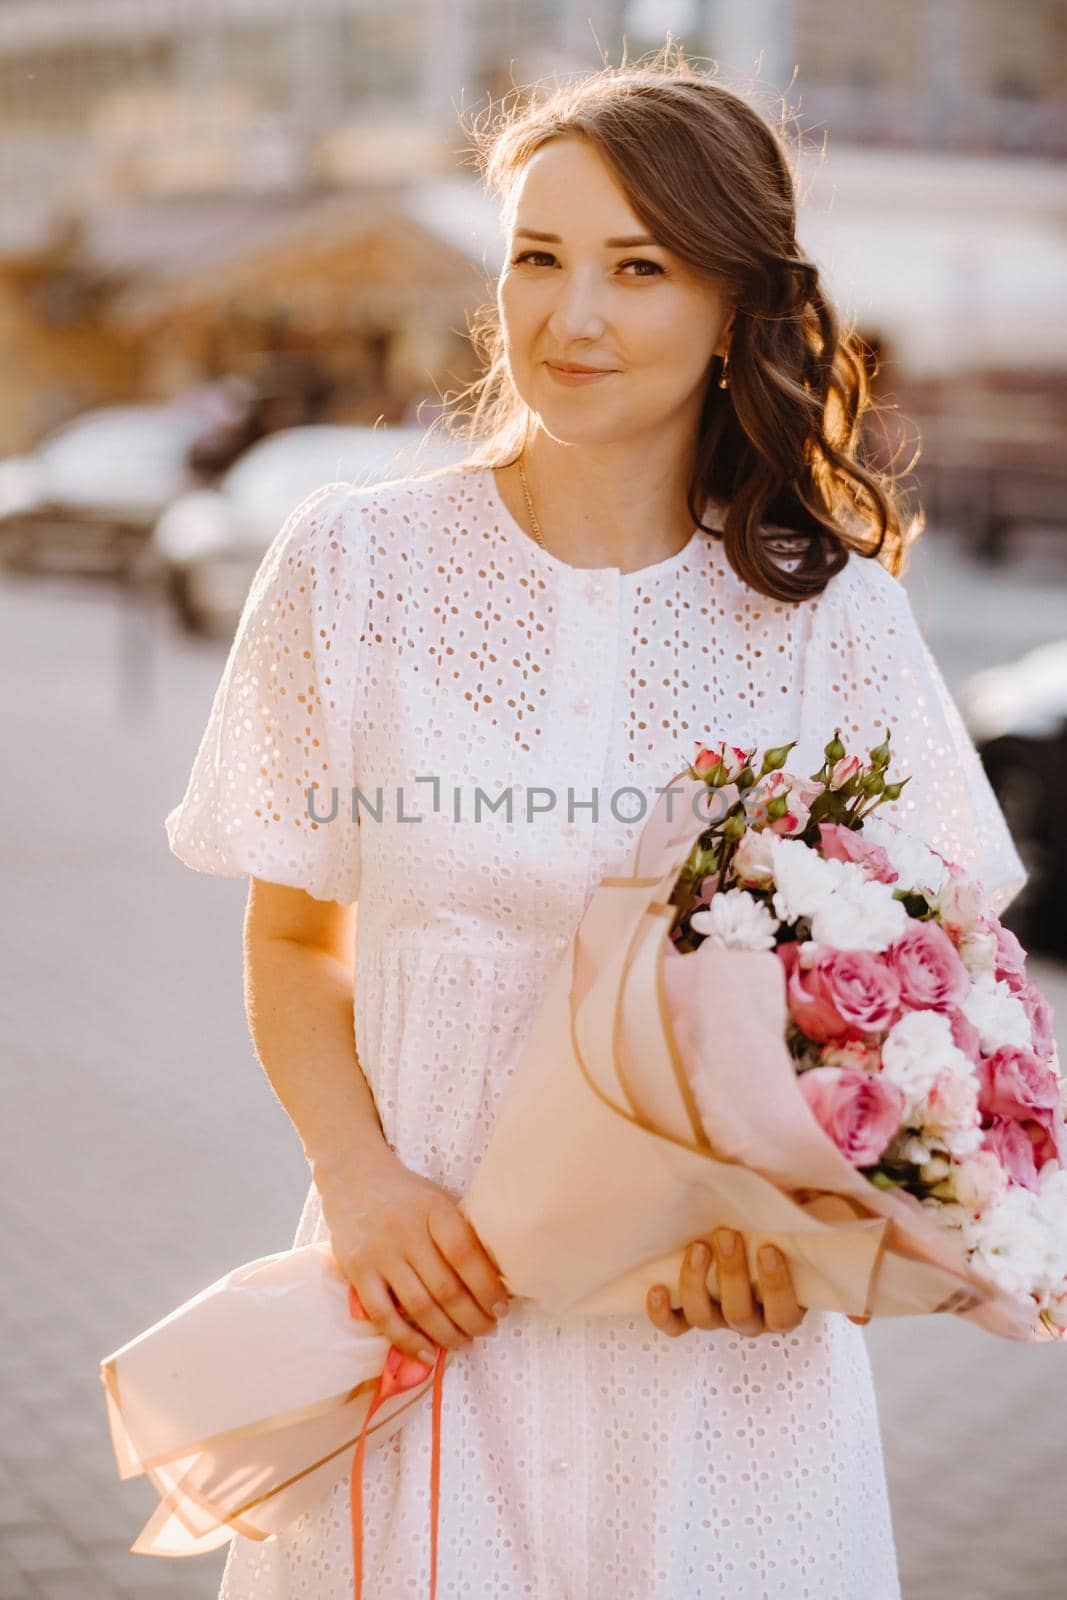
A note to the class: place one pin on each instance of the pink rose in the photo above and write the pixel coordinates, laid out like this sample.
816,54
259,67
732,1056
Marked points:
1015,1150
843,770
843,994
859,1111
1040,1014
965,1035
752,862
1014,1083
1048,1135
844,844
733,759
961,904
798,794
1011,957
931,975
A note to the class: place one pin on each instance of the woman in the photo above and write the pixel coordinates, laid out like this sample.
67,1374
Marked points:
604,582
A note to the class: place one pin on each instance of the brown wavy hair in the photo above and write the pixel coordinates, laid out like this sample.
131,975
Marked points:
781,448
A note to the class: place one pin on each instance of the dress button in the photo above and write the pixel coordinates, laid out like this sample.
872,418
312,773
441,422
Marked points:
593,589
561,1464
582,705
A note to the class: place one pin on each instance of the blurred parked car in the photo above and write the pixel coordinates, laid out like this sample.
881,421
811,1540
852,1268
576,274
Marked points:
211,541
86,500
1017,716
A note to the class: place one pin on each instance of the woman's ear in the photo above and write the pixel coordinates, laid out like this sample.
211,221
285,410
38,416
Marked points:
722,347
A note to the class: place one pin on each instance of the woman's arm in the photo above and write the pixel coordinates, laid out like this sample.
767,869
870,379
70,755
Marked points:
420,1270
299,965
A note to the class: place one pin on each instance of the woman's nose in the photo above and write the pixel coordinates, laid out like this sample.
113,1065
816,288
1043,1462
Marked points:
577,310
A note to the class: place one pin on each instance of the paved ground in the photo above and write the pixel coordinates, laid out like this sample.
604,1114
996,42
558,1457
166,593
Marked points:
147,1156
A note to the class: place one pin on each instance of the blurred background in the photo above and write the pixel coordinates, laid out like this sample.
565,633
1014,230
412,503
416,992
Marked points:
239,245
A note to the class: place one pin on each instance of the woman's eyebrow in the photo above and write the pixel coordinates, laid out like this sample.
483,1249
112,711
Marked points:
554,238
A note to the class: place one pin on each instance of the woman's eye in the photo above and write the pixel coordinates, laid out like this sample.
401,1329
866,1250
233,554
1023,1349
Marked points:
641,261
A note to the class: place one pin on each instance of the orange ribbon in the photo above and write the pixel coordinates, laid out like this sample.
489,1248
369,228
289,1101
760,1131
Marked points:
399,1373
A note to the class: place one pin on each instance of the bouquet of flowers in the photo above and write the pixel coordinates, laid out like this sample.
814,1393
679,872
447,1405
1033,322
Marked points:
794,1019
921,1046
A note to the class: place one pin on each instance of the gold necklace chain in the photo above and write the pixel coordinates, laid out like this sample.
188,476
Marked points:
529,503
535,525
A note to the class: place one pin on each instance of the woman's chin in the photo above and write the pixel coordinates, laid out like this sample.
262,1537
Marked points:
567,425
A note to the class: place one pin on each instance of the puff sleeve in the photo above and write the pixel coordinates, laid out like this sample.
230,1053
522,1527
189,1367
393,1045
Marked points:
281,723
870,671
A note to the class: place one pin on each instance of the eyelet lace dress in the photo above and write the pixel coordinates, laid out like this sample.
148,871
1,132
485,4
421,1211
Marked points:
411,637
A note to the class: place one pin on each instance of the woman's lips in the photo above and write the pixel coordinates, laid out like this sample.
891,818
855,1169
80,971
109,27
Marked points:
577,379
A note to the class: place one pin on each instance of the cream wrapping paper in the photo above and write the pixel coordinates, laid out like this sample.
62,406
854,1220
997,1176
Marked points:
245,1404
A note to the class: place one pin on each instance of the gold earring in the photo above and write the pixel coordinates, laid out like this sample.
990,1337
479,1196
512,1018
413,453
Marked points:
724,381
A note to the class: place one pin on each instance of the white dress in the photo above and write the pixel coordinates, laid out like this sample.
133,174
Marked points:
414,630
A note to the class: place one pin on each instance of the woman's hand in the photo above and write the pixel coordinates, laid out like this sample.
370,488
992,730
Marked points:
420,1270
736,1308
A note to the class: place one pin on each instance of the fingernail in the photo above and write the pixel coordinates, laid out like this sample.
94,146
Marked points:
657,1297
500,1309
727,1242
698,1255
769,1258
426,1357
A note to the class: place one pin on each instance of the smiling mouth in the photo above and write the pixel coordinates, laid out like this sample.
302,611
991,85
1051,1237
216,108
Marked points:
580,372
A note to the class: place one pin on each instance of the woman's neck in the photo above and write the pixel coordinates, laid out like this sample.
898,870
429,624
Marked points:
595,510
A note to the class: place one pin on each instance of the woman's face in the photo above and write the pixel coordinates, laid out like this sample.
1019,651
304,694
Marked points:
634,309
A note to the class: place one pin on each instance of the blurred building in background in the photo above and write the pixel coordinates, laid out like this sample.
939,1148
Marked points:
188,184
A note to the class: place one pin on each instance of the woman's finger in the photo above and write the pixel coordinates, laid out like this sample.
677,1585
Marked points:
377,1302
480,1284
735,1289
860,1320
780,1309
445,1289
700,1310
662,1314
421,1307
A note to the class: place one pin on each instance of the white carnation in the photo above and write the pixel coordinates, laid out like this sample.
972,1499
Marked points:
998,1015
916,866
915,1050
805,880
1021,1242
735,921
861,915
1008,1242
1051,1205
1057,1308
848,911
